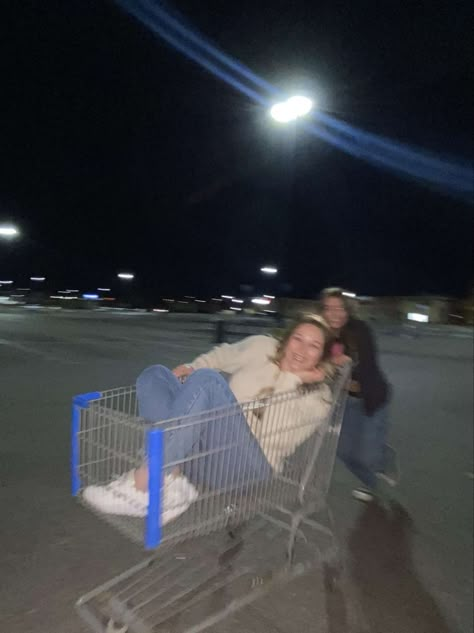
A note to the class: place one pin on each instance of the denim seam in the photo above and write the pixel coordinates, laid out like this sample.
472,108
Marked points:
217,381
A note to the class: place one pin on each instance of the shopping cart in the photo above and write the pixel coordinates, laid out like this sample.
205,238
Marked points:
237,538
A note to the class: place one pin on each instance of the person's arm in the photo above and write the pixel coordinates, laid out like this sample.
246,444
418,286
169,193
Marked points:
231,357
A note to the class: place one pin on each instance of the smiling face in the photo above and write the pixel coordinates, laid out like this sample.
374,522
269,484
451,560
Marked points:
335,313
304,348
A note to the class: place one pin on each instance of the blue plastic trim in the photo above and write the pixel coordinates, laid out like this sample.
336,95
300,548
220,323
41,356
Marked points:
155,468
78,402
83,399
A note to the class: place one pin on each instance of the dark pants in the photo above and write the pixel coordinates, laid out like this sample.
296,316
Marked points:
363,440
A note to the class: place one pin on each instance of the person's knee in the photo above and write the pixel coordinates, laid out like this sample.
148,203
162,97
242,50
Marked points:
206,375
150,374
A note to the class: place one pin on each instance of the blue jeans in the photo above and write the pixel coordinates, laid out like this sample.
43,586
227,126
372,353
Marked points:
362,441
220,451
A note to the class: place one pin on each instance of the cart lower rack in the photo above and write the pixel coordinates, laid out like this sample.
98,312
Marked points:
234,537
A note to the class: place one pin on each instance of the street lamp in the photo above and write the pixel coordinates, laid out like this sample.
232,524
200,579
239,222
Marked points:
8,231
292,109
126,276
269,270
37,278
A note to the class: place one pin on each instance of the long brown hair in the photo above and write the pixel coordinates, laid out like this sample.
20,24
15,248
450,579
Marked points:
345,335
338,293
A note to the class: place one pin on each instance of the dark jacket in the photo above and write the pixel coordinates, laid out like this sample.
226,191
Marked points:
359,344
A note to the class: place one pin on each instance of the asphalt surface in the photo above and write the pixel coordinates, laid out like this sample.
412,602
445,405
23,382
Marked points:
410,571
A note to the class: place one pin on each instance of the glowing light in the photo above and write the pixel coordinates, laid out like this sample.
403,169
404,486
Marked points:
227,296
6,282
8,231
450,176
37,278
127,276
103,289
301,106
261,301
160,310
237,300
235,308
281,113
269,270
416,316
269,296
90,296
352,295
292,109
200,301
69,290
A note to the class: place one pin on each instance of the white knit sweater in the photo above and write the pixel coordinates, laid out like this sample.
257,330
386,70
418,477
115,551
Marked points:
283,426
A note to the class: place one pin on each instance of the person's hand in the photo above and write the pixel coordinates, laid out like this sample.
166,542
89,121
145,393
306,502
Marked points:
182,371
354,386
341,360
311,375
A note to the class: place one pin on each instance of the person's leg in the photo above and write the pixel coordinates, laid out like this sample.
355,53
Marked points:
203,390
370,459
356,442
217,450
157,387
350,435
350,439
378,456
213,450
375,440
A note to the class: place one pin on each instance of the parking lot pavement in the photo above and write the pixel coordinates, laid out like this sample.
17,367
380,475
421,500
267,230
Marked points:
411,572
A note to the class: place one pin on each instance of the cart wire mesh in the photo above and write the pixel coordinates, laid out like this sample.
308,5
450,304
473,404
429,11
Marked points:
110,439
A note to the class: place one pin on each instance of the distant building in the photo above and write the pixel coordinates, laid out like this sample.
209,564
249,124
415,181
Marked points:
421,308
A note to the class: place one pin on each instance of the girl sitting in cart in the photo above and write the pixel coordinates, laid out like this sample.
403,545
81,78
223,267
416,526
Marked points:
235,445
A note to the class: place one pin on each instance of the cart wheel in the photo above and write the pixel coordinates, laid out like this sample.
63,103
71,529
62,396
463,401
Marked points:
112,627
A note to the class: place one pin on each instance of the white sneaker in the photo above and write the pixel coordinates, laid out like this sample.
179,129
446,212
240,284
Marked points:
119,497
363,494
122,498
390,481
178,495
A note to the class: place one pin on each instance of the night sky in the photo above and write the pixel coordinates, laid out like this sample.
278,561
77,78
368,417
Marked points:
118,153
